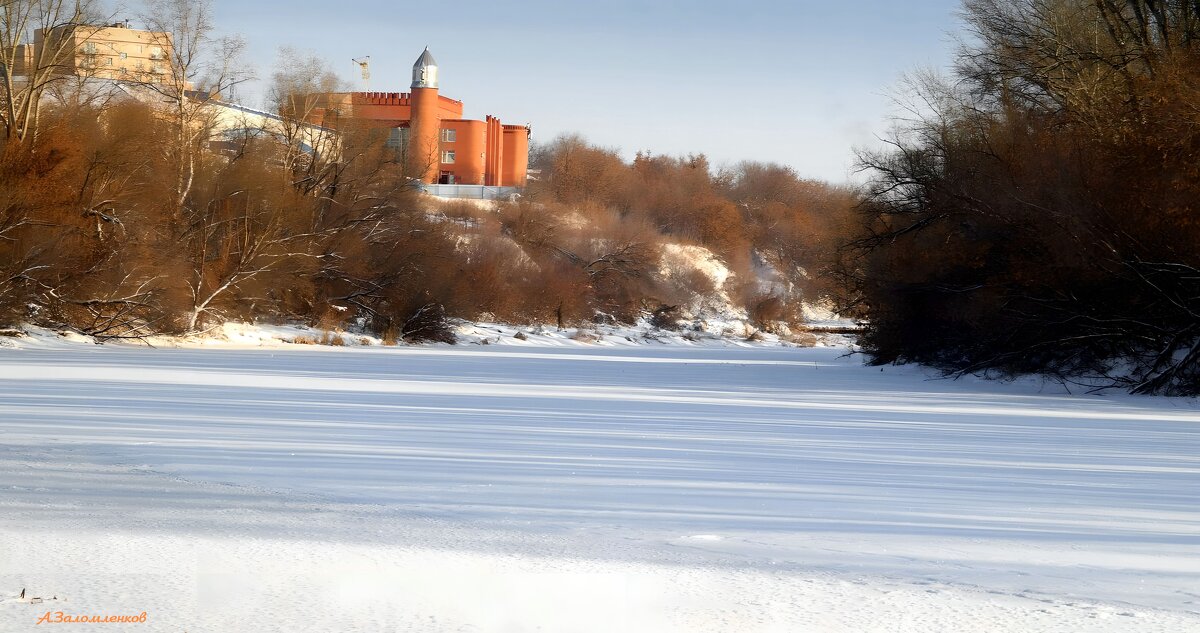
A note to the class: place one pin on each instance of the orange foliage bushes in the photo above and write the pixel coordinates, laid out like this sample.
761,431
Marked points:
766,224
93,236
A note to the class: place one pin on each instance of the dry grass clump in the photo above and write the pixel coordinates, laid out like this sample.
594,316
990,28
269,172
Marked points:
584,336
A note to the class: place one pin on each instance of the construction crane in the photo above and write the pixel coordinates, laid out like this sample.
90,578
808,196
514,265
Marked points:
364,64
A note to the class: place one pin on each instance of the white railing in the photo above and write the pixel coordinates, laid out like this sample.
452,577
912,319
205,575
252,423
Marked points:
472,192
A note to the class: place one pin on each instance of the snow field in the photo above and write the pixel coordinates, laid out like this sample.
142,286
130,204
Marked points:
659,488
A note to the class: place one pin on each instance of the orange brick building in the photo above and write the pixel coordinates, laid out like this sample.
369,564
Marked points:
438,143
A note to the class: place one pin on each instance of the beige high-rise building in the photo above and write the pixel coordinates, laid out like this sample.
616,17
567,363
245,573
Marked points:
108,52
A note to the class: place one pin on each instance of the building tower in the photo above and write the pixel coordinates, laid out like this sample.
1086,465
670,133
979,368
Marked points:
424,155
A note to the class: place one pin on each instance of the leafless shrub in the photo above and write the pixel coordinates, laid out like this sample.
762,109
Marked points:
804,339
667,317
428,323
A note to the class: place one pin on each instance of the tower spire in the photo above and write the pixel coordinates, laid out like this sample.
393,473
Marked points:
425,71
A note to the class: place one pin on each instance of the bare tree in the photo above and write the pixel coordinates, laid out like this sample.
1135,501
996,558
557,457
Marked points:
29,65
300,88
200,69
242,227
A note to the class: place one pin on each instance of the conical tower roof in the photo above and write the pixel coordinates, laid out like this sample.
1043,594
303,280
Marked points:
426,59
425,71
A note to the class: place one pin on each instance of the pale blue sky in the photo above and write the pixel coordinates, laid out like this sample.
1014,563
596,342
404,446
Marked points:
796,82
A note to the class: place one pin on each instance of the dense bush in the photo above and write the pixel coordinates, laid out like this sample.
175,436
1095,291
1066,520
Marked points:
1041,217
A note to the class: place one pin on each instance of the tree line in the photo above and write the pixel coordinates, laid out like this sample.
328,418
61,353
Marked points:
1038,210
125,211
1034,213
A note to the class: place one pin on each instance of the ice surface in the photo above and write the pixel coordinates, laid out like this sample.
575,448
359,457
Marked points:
651,488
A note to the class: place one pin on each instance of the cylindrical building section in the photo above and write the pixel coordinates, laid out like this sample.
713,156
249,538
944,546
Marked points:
516,156
423,154
424,157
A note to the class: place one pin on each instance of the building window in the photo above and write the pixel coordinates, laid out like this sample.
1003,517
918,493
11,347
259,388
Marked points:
449,136
124,55
108,61
156,52
398,138
448,156
89,48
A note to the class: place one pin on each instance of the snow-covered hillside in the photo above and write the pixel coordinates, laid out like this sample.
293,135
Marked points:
648,488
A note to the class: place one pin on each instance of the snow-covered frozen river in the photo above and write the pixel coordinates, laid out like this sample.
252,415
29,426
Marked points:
585,489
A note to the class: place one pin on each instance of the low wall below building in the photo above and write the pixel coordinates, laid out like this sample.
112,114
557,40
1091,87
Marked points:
471,192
